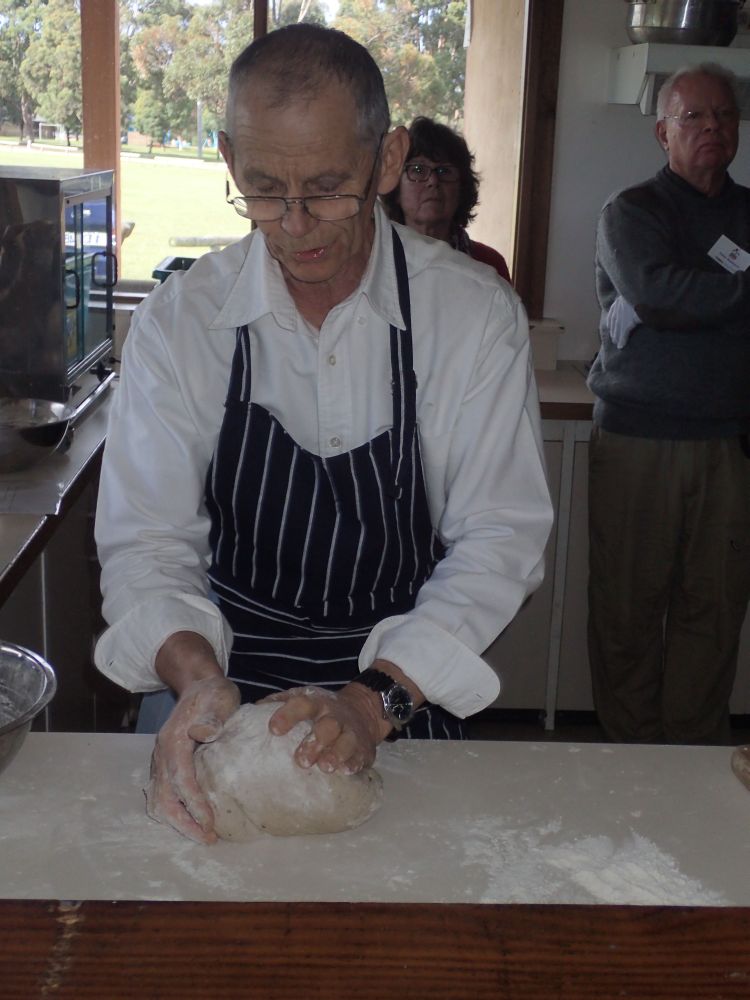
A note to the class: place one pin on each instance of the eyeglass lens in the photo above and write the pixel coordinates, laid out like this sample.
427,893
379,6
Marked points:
698,119
324,208
332,208
421,172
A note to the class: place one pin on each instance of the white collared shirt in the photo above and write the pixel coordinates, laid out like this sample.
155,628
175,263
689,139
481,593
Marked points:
479,429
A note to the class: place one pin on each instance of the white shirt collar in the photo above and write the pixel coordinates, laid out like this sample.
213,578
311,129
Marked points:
259,287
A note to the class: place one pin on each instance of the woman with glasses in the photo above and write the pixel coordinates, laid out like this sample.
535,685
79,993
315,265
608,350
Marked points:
439,191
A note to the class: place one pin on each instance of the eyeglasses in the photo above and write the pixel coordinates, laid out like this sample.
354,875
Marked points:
421,172
323,207
699,119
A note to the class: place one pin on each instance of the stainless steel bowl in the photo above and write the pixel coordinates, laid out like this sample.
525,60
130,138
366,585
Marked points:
31,429
27,685
686,22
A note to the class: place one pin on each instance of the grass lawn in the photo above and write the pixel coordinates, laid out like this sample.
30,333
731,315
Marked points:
165,196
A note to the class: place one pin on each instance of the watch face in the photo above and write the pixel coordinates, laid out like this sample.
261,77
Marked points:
398,704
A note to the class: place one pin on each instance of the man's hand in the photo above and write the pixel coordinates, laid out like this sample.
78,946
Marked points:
174,795
347,725
206,699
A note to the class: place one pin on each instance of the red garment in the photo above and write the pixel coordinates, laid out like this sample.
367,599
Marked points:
486,255
479,251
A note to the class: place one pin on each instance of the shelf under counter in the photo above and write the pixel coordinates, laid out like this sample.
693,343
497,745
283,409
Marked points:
50,598
23,536
541,656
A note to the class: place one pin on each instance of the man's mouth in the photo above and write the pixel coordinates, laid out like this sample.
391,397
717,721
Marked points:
315,253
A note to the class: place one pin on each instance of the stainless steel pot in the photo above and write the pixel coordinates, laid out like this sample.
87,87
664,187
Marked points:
686,22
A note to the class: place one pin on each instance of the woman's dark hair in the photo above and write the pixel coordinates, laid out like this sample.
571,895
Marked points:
441,144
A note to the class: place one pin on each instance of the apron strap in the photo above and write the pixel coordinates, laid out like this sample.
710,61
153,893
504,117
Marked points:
241,375
404,379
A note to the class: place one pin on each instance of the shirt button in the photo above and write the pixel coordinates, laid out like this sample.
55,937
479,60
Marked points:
335,442
331,359
361,320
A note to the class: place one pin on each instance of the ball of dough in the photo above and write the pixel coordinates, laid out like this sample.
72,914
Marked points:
253,783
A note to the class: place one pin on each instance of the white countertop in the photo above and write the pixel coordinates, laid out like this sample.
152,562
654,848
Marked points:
475,822
565,384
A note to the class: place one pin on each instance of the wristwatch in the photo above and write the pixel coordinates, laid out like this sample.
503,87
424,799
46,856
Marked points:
398,704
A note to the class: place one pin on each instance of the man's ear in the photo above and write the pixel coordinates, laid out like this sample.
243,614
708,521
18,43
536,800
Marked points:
395,148
660,131
225,148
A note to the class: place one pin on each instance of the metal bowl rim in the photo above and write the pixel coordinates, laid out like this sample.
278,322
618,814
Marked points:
50,686
64,416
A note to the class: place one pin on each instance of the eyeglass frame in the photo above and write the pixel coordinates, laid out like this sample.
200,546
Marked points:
288,202
724,116
432,170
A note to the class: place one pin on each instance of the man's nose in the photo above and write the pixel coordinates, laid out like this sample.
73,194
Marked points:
297,221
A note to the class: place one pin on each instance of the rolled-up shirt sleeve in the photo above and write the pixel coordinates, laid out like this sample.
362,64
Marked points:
126,652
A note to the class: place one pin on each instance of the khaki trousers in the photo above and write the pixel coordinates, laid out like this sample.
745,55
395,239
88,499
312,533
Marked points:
669,582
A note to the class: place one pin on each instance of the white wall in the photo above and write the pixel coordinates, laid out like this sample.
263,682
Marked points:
598,148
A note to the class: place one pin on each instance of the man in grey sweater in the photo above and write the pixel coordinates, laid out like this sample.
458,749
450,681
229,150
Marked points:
669,476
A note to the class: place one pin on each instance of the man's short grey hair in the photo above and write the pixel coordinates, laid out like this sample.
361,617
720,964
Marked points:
702,69
295,62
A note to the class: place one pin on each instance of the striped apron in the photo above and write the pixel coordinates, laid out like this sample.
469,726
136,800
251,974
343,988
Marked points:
309,553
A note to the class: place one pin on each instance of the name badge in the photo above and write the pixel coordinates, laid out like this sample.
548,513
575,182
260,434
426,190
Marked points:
729,255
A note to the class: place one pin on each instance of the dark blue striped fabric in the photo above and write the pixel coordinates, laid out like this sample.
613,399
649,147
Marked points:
308,553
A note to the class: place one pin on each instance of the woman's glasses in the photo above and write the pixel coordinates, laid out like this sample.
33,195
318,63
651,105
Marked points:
421,172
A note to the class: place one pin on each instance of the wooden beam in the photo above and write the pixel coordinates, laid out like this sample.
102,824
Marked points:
544,34
492,116
260,18
100,82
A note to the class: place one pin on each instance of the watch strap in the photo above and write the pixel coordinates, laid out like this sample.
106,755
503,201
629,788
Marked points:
375,680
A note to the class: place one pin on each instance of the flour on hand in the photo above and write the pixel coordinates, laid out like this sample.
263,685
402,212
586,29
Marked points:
253,783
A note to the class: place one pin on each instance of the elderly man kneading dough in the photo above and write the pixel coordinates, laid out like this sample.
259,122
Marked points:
323,478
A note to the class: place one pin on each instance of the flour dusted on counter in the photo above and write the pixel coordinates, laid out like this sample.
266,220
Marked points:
635,872
524,866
